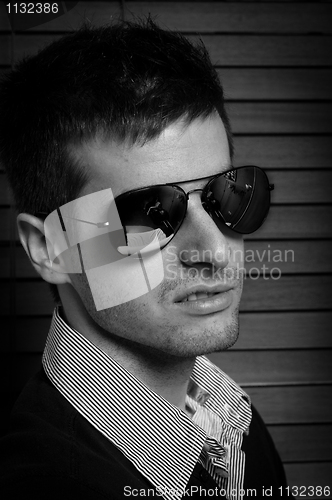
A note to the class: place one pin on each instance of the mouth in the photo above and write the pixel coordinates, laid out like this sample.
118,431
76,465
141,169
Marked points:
197,296
201,293
205,301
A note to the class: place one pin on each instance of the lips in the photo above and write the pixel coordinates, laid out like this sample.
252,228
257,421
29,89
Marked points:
199,304
197,296
201,293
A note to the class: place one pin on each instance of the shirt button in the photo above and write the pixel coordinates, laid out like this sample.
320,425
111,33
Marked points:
204,475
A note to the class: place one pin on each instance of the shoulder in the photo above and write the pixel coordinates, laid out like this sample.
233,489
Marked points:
263,465
51,451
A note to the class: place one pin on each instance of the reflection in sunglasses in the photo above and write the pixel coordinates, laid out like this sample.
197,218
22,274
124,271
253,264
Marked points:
98,224
143,242
160,216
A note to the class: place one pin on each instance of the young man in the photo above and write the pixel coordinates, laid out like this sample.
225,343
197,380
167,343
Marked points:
118,149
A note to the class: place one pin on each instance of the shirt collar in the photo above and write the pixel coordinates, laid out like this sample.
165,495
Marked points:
157,437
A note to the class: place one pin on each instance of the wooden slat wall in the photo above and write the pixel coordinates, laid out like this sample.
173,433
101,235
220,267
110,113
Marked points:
275,61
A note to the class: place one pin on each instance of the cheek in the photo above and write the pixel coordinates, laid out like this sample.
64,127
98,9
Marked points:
115,283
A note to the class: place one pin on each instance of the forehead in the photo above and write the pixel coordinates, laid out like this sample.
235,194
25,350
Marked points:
180,153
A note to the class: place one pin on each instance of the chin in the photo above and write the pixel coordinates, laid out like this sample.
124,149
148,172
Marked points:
202,342
219,336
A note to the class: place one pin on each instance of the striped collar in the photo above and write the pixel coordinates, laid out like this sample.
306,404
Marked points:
161,440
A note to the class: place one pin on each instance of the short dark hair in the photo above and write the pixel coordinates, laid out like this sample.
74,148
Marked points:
128,80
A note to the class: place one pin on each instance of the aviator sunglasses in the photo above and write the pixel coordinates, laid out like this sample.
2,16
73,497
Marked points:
151,216
238,198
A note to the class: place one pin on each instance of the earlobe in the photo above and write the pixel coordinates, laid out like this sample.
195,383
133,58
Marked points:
32,236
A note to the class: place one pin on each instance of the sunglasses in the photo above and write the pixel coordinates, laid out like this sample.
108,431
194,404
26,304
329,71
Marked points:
238,199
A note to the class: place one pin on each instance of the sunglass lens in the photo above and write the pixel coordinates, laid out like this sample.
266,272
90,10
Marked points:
239,198
151,216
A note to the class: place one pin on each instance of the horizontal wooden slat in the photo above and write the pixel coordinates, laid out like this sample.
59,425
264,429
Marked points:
280,118
276,367
232,17
305,187
225,50
311,474
302,404
254,50
276,84
284,152
288,256
293,222
290,330
286,294
303,443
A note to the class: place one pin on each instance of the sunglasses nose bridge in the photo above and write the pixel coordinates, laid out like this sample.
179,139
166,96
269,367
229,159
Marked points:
193,191
198,190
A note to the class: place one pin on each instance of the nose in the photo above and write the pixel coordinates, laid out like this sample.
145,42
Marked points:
201,243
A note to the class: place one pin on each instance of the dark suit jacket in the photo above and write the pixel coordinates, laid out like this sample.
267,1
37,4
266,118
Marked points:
52,452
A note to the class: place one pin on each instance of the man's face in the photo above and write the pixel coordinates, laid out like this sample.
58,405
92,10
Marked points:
200,258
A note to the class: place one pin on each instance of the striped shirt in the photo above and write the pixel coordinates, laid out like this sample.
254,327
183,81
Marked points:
162,441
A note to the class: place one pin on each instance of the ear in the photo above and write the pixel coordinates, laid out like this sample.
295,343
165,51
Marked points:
32,236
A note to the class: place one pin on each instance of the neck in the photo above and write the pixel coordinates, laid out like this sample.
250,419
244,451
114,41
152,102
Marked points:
165,374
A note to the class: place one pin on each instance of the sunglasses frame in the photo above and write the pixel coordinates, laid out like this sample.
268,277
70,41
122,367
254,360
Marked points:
203,190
